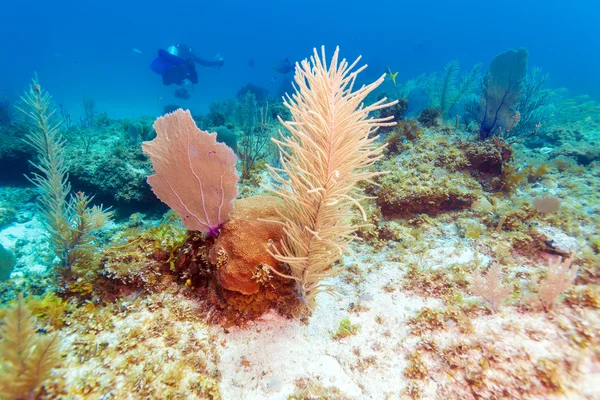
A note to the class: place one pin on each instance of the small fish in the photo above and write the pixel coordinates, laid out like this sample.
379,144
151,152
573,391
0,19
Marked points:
159,98
251,63
136,50
273,80
283,66
392,76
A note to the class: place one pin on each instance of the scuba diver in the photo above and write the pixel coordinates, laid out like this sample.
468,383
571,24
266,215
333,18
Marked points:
177,64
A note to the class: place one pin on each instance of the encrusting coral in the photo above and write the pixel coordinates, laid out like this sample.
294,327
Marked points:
234,272
240,253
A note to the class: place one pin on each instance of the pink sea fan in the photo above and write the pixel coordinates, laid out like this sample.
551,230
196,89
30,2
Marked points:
561,274
195,175
490,288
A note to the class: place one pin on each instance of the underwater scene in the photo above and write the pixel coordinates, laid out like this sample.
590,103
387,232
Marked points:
317,200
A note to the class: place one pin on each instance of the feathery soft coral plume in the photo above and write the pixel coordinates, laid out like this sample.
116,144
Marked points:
328,152
26,357
489,287
561,274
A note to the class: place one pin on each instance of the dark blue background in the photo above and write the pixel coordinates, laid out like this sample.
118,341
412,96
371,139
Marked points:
84,48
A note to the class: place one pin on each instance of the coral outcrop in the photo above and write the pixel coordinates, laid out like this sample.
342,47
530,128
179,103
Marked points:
489,157
404,194
430,175
240,253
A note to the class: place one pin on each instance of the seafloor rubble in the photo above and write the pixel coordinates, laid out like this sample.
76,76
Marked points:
140,326
475,277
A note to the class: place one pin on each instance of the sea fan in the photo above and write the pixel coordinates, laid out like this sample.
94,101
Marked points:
502,90
195,175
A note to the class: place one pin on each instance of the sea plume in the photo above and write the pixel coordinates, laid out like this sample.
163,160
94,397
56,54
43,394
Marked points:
489,287
195,175
26,357
561,274
69,219
325,156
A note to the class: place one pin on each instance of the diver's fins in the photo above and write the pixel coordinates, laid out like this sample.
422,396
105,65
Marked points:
159,65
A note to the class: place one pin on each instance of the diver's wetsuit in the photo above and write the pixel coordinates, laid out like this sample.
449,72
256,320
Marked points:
179,73
175,69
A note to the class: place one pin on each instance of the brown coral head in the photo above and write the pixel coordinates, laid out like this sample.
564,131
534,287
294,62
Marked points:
241,250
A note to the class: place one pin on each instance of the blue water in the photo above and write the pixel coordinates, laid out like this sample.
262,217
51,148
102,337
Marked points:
85,48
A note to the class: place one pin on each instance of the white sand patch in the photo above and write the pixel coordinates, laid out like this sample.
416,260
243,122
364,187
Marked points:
265,360
29,244
269,358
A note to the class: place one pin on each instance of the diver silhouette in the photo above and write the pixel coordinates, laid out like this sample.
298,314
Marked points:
177,64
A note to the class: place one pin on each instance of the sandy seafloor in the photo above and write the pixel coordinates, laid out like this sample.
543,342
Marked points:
417,330
275,357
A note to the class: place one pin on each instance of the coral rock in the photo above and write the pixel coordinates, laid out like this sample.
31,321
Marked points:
430,117
488,157
240,252
430,192
556,241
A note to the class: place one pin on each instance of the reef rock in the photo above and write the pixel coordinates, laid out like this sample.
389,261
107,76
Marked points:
488,157
419,191
556,241
14,156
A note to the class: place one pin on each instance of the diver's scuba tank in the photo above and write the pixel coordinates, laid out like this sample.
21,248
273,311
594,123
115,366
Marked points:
173,50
